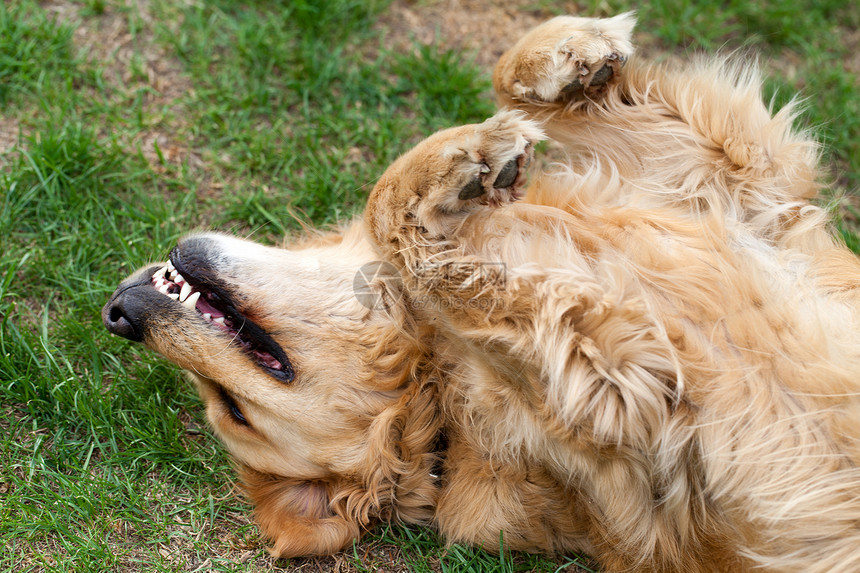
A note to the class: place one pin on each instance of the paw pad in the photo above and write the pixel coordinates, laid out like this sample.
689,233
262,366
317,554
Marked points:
473,189
507,175
601,77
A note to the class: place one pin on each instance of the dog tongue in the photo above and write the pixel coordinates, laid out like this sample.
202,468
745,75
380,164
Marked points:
204,307
268,359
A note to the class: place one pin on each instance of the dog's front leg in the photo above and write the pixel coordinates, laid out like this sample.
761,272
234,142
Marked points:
419,208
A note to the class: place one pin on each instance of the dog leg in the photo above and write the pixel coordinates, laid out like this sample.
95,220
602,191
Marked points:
422,199
430,211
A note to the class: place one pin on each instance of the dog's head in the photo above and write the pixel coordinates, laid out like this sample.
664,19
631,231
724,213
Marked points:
308,374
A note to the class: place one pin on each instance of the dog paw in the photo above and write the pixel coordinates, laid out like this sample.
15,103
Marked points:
490,162
428,191
566,58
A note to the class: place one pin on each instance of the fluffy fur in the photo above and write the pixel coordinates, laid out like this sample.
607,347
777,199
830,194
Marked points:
652,357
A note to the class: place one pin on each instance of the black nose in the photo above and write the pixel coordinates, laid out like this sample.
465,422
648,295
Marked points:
126,312
119,321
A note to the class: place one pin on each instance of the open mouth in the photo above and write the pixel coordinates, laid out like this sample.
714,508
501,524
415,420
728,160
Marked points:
215,308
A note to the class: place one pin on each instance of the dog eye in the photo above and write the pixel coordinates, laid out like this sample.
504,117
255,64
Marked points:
233,408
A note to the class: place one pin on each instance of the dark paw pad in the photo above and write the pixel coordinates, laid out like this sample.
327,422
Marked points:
472,189
601,77
507,175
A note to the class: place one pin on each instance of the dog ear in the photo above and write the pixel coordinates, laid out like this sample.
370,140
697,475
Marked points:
399,482
296,515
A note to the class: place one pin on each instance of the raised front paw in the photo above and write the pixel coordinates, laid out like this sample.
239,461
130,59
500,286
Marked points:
566,58
489,163
451,174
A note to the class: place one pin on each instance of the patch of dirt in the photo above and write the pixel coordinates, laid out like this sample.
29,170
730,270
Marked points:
10,129
121,42
485,28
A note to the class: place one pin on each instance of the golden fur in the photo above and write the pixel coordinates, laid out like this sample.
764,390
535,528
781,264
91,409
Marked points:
652,358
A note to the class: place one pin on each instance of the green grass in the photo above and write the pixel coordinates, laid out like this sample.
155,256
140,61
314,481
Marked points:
33,51
271,109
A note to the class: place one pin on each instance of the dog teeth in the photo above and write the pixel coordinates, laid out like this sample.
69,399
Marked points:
186,290
167,278
191,301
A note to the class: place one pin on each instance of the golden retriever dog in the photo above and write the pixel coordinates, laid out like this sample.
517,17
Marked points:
651,354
